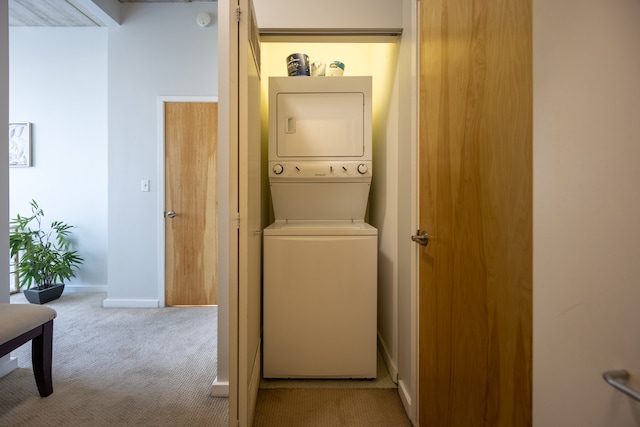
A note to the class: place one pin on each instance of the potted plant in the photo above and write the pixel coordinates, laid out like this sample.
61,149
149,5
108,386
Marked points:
45,260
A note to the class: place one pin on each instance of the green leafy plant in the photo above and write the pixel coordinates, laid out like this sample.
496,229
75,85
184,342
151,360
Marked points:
44,255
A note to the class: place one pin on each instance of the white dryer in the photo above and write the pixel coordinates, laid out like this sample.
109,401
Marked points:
320,256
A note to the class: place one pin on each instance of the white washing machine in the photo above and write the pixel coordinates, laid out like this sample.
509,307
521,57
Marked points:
320,301
320,256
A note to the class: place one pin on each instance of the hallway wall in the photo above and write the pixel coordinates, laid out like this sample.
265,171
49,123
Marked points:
6,364
4,154
586,210
58,82
158,51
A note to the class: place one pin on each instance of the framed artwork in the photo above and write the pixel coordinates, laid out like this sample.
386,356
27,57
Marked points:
20,144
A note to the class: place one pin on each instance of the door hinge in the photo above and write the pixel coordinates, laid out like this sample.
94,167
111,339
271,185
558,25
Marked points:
238,13
237,220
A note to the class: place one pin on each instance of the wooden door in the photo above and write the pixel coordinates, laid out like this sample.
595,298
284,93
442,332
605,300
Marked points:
191,244
475,312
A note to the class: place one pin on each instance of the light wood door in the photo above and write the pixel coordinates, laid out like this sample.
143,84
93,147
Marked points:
191,244
475,318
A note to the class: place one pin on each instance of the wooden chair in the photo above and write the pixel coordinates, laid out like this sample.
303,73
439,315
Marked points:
20,323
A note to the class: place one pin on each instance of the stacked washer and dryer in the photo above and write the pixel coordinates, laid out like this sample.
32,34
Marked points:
320,256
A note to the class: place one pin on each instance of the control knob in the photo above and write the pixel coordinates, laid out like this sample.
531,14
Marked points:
278,169
362,168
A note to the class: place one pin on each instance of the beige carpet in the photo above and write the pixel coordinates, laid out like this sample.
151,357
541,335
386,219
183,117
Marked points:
120,367
322,407
331,402
154,367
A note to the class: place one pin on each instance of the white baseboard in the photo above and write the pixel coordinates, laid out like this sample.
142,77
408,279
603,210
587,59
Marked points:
7,364
254,383
130,303
407,402
392,367
73,289
219,388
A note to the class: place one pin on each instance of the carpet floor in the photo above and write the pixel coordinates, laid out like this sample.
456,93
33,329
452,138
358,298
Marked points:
120,367
154,367
322,407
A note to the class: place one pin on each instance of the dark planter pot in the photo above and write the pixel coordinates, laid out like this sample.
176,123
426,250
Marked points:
43,296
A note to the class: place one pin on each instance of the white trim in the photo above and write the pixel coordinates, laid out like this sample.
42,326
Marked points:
392,366
410,392
227,327
74,289
254,382
7,364
219,388
405,397
160,182
130,303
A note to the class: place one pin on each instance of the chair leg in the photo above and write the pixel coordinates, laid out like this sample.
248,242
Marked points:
41,356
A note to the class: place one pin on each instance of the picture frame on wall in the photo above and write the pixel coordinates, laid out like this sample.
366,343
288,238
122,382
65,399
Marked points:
20,144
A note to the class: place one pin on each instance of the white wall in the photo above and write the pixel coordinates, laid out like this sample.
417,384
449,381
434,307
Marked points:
158,51
220,386
7,364
4,155
58,82
586,210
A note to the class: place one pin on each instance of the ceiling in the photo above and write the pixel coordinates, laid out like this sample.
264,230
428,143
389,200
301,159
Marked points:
62,13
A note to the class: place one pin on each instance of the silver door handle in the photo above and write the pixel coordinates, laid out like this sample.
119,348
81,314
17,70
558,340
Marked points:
617,379
171,214
421,238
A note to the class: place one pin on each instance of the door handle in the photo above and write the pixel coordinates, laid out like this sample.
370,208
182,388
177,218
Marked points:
617,379
171,214
421,238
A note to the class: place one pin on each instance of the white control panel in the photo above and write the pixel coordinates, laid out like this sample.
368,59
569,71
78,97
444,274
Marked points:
320,170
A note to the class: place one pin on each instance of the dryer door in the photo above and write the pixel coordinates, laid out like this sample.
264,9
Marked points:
312,125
